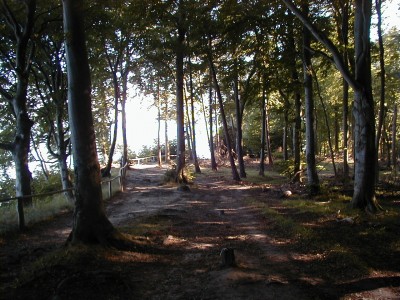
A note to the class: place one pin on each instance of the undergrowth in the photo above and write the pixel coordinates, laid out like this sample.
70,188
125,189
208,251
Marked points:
344,242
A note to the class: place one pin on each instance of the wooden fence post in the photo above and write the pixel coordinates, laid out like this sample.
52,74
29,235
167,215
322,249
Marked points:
21,216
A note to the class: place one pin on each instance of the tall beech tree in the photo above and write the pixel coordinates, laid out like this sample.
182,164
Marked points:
20,22
90,224
363,111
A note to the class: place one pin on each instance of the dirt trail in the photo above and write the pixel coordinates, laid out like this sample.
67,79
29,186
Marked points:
185,234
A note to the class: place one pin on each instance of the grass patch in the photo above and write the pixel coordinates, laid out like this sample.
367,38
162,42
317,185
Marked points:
342,250
41,210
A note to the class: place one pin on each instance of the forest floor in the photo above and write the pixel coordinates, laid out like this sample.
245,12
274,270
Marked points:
180,237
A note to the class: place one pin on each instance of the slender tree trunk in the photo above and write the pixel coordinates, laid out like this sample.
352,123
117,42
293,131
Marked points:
194,150
382,84
90,224
263,132
159,156
312,176
167,149
107,170
239,132
180,114
124,97
297,103
267,132
214,166
394,139
285,126
328,128
235,174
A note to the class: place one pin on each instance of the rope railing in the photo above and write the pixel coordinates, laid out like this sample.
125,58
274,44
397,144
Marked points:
21,216
66,190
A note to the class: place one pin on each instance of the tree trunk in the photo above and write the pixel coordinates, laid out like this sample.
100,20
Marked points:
124,97
382,84
107,170
328,129
159,156
285,126
167,149
364,131
394,139
312,176
263,132
297,103
363,111
20,147
235,174
180,114
194,150
267,135
239,120
90,224
214,166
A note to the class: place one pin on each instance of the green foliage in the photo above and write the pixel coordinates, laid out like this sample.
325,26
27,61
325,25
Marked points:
42,185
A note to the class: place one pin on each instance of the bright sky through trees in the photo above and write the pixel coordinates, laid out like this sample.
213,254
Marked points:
142,117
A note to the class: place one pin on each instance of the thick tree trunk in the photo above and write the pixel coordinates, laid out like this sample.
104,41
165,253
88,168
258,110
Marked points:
90,224
364,121
364,131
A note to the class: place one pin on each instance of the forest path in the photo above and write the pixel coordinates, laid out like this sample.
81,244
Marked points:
180,236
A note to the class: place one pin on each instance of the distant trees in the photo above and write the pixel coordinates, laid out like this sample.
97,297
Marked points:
226,61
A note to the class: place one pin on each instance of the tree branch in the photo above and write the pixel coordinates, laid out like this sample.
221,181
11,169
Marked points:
323,39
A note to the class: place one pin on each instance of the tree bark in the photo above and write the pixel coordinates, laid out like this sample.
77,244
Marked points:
180,114
381,115
124,97
364,121
239,132
312,176
20,147
214,166
235,174
194,149
263,131
113,67
90,224
394,139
